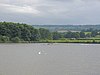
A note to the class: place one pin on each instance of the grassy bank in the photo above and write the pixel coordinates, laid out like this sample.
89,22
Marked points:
81,40
72,41
60,41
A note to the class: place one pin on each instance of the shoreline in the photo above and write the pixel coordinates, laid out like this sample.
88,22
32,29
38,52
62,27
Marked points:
51,43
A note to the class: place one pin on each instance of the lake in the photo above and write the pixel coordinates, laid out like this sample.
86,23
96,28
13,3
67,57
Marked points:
49,59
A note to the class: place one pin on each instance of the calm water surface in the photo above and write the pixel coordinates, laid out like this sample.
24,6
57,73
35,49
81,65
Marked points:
49,59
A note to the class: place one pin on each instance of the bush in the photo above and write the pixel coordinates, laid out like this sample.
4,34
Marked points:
4,39
16,40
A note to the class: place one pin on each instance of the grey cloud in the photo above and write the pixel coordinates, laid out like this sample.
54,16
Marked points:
62,0
50,11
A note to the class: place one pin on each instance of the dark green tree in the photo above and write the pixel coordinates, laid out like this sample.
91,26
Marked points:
82,34
4,39
45,34
56,35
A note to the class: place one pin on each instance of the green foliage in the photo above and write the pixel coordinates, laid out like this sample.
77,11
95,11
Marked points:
16,40
88,35
82,34
45,34
56,35
93,40
94,33
72,35
36,36
4,39
15,32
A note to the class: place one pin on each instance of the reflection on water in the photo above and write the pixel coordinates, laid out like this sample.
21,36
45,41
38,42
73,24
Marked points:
49,59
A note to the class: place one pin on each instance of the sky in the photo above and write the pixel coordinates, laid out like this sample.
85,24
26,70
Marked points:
50,11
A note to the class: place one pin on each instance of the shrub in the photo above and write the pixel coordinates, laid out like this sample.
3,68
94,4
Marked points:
16,40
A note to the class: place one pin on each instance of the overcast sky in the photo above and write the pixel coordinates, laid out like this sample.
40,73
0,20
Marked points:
50,11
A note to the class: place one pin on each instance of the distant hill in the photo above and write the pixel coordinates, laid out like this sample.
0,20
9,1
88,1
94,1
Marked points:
68,27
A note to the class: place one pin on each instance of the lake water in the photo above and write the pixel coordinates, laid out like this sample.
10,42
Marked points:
49,59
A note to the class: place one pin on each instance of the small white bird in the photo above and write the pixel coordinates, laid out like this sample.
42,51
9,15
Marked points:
39,52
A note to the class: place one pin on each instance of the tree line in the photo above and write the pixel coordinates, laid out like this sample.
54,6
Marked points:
75,35
16,32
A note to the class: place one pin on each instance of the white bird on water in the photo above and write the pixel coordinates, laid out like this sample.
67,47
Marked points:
39,53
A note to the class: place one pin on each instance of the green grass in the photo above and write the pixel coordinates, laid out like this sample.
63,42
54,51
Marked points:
87,33
81,40
72,41
98,36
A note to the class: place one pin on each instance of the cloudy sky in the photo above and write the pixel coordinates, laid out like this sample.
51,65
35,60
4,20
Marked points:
50,11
